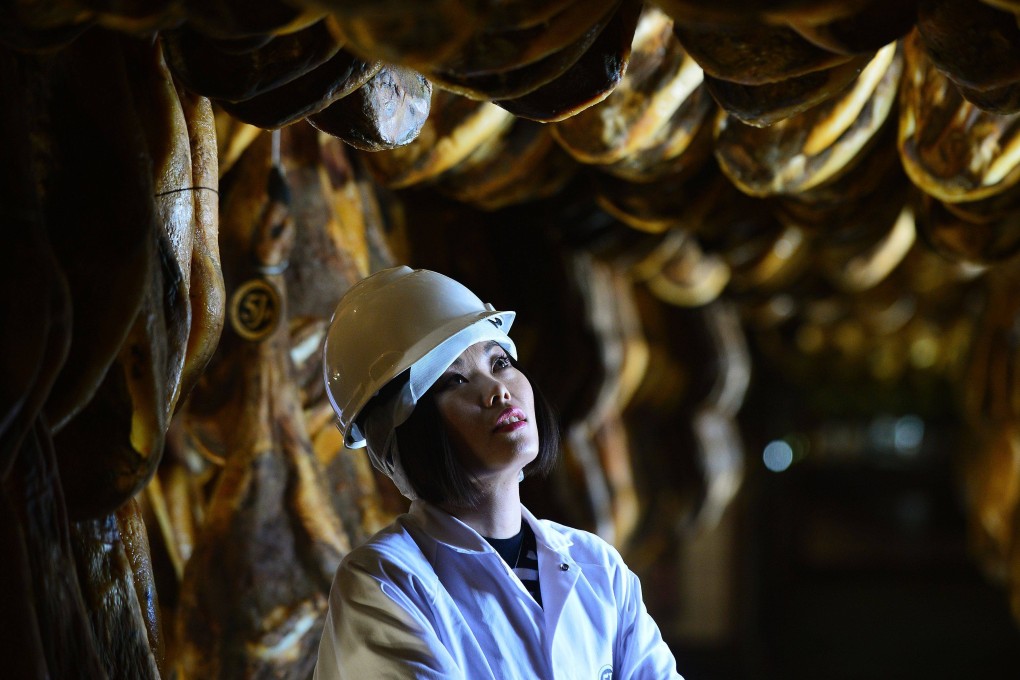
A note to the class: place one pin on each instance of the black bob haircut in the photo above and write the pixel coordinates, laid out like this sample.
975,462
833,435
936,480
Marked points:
428,458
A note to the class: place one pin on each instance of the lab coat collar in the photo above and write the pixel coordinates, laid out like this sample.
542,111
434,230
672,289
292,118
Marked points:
446,529
449,531
558,575
544,533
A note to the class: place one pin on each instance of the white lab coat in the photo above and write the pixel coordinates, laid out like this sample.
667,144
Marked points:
428,597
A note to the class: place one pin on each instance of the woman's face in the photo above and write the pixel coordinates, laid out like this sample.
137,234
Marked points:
488,409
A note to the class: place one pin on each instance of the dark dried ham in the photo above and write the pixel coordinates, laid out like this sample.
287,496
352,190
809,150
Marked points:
386,112
269,521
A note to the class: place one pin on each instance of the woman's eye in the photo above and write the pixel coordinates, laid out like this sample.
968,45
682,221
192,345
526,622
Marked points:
502,362
452,379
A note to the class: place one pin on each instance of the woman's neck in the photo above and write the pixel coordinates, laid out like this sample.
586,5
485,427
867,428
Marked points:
497,515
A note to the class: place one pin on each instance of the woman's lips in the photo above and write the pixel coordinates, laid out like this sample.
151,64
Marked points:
511,427
509,420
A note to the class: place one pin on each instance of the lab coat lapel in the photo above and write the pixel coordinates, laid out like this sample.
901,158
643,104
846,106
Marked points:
557,576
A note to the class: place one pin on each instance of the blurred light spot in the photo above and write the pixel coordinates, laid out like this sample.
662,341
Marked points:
782,306
778,456
924,351
908,434
787,244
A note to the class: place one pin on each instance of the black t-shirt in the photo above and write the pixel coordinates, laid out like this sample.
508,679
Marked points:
521,553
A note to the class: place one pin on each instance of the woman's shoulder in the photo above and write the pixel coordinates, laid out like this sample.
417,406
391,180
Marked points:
388,569
392,548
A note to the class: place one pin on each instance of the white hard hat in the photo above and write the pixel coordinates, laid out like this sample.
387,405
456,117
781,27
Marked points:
399,319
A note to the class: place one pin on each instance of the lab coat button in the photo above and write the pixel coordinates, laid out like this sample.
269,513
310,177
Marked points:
564,566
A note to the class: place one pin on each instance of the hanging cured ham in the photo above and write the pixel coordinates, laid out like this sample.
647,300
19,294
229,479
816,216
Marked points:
268,518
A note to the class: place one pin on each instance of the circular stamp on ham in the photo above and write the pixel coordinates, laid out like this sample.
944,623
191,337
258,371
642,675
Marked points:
255,309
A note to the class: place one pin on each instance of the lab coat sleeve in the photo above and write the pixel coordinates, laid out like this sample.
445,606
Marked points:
642,653
378,626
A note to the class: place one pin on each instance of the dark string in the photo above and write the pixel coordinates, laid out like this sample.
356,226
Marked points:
178,191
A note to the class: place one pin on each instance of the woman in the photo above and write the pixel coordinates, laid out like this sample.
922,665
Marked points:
468,584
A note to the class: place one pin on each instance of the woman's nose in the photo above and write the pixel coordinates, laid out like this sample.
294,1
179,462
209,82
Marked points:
496,393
